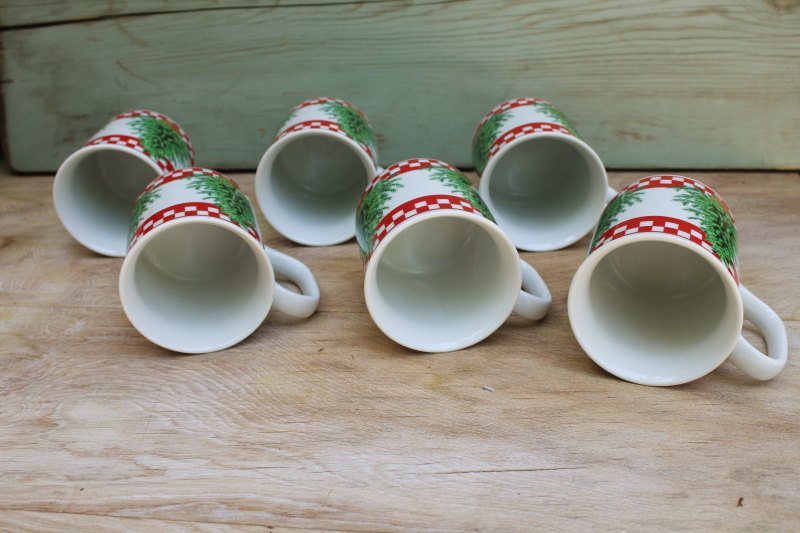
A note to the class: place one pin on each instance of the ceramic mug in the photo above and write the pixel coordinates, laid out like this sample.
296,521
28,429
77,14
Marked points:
196,277
544,184
309,181
95,188
657,300
440,275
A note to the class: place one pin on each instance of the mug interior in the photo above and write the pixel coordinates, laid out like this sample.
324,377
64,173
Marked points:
657,312
310,187
546,191
196,285
442,282
95,190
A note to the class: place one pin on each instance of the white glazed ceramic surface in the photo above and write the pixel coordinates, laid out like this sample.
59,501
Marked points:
544,184
657,300
96,187
439,274
196,277
309,181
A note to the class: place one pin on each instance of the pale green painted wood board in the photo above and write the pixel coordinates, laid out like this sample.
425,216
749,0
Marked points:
668,84
15,13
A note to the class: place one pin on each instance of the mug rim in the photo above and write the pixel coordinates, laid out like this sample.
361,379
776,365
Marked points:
266,197
370,275
581,146
127,277
62,182
583,275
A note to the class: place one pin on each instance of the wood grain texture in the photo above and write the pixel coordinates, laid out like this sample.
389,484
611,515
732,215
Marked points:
60,522
15,13
672,84
325,424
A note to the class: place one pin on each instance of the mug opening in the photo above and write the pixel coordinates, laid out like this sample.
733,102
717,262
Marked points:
546,190
442,281
309,184
196,285
94,193
655,311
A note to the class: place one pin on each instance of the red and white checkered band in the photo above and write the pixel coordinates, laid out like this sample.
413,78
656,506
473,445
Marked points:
189,209
134,144
325,125
181,174
141,112
511,104
526,129
418,206
406,166
659,224
663,182
317,101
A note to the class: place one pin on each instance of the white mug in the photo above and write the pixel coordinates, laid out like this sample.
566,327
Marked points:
440,275
544,184
95,188
197,278
657,300
309,181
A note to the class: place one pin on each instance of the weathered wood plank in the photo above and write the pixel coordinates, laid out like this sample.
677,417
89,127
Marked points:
364,436
672,84
60,522
14,13
325,424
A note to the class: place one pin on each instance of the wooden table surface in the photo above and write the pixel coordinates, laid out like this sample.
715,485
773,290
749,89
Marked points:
325,424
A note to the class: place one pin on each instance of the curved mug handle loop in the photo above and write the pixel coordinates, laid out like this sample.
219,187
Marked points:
291,303
534,299
745,356
610,194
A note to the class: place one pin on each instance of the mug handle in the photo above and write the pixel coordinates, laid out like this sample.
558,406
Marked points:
745,356
610,194
534,299
291,303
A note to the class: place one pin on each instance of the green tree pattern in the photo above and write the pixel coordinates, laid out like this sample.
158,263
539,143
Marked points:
555,114
228,197
353,123
460,185
616,207
714,219
289,117
162,140
485,137
371,210
144,201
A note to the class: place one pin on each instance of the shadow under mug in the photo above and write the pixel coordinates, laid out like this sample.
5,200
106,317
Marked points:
96,187
545,186
440,275
310,179
197,277
657,300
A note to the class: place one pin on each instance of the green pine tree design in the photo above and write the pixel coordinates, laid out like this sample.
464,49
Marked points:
555,114
289,117
460,185
371,210
353,123
714,218
616,207
144,201
485,137
161,140
228,197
